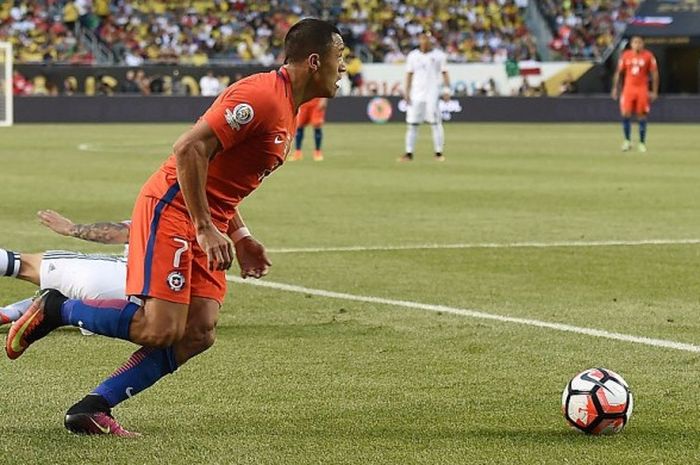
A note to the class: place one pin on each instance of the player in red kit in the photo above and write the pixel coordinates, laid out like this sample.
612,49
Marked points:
313,113
185,227
636,64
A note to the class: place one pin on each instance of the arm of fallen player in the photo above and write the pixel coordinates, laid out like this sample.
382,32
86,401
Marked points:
105,233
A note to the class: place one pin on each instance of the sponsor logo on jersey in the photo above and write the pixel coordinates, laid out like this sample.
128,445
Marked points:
286,142
176,281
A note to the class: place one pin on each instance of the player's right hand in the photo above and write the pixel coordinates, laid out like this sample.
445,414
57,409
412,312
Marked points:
407,99
613,94
217,246
55,222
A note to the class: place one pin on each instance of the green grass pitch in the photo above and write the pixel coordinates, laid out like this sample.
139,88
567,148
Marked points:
296,378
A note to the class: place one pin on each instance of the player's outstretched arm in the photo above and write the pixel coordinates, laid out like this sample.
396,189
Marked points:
105,233
250,254
193,150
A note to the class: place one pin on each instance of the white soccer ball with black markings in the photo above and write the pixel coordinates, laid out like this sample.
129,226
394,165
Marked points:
597,401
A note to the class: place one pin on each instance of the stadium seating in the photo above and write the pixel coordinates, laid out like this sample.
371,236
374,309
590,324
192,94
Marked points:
43,31
234,31
586,29
474,31
208,31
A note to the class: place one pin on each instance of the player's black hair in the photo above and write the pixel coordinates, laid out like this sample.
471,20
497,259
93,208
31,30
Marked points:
310,35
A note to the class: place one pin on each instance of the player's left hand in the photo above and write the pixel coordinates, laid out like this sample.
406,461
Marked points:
252,258
653,96
56,222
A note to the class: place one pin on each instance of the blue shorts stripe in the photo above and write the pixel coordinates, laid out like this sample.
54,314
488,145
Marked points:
148,261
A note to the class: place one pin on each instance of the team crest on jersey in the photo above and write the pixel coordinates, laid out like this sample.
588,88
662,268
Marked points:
176,281
242,114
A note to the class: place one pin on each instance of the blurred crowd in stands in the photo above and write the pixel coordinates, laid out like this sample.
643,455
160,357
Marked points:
43,31
586,29
469,30
234,32
133,32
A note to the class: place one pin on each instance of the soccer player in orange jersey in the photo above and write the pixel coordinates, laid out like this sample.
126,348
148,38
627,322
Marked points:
313,113
185,227
636,64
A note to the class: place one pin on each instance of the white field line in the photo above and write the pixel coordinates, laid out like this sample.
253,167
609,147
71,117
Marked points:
487,245
472,314
120,146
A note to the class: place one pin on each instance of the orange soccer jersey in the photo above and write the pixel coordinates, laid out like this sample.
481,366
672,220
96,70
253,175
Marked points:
254,121
312,112
636,68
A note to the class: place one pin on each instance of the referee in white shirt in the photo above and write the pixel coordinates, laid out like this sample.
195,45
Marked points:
425,66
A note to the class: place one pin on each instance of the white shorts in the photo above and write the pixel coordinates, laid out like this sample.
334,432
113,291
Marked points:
424,111
84,276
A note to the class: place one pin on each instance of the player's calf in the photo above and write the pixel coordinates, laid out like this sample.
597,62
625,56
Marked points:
194,343
14,312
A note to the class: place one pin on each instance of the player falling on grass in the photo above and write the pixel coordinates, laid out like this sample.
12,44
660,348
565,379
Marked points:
179,247
426,68
313,113
636,65
76,275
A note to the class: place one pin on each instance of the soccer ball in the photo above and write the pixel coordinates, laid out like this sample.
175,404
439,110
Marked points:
597,401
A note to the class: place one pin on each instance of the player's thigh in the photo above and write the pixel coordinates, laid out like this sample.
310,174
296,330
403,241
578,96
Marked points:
642,106
628,101
202,319
84,276
203,313
160,254
200,331
415,113
432,112
160,322
304,117
206,283
318,117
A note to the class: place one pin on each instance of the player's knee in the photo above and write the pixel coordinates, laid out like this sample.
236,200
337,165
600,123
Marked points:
203,339
163,336
197,340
